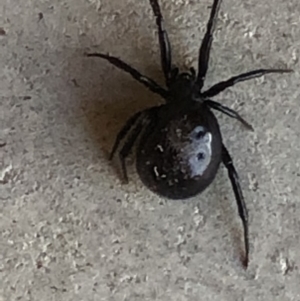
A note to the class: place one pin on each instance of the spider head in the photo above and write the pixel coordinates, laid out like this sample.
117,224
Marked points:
181,84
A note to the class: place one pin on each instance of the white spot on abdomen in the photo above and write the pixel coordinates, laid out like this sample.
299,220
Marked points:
155,169
160,148
197,153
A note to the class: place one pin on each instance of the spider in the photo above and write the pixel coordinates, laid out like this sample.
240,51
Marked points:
179,143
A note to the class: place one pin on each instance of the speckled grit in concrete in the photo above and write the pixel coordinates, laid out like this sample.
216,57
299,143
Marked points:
69,228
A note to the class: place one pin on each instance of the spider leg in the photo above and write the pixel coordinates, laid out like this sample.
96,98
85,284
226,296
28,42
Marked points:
164,43
122,133
219,87
149,83
217,106
242,209
205,47
136,124
124,152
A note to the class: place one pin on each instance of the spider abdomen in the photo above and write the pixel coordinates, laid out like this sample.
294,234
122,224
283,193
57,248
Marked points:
180,157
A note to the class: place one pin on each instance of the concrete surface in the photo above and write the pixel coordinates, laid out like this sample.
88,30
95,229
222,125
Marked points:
69,229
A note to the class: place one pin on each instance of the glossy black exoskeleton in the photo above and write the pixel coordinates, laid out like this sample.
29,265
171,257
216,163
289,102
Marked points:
180,145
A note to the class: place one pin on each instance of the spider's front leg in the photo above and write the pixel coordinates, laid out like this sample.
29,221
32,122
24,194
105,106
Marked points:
146,81
221,86
164,43
205,47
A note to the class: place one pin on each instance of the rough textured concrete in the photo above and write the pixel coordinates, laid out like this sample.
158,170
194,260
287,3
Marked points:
69,229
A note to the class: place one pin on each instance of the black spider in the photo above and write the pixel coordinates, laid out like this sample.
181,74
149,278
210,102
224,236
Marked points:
180,147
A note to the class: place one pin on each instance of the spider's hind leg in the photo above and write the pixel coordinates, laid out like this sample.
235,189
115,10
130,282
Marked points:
242,209
229,112
134,126
127,147
122,133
